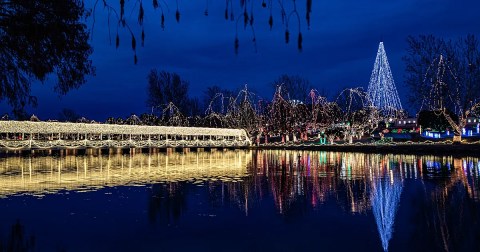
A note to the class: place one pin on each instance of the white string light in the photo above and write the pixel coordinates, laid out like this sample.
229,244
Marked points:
93,128
189,136
385,199
381,91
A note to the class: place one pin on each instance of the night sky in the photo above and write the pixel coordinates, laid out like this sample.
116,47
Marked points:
338,51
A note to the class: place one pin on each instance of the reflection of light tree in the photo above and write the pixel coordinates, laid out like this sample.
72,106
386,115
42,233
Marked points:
353,175
282,184
296,180
385,197
283,175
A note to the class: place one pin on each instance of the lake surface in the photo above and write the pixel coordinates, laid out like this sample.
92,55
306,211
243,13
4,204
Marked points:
241,200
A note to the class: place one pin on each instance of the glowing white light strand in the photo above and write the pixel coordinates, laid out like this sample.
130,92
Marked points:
94,128
359,117
435,79
381,89
385,198
143,136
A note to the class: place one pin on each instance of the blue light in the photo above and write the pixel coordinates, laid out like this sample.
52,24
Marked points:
385,199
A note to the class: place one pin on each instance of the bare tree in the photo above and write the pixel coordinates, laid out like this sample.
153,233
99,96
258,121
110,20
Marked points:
324,114
357,116
216,98
445,76
165,88
241,111
68,115
193,107
421,72
280,118
294,87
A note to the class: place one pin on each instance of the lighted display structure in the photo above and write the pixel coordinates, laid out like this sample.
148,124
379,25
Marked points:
381,89
42,135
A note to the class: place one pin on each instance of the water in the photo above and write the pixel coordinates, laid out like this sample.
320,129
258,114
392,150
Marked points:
240,201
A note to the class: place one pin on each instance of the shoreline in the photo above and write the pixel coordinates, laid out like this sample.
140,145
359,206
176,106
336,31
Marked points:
433,148
416,149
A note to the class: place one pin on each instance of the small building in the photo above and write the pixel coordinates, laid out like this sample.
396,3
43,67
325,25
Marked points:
472,122
406,123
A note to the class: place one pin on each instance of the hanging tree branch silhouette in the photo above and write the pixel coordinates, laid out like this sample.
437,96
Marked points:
244,11
40,38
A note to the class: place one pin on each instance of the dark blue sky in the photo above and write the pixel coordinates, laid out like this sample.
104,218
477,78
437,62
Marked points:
338,51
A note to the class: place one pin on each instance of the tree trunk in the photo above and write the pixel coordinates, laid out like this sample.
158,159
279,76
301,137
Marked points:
457,137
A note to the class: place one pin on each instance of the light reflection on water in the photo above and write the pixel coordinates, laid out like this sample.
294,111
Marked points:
49,174
291,173
323,173
360,184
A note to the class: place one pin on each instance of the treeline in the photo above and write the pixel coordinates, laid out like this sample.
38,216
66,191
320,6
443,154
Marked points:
166,89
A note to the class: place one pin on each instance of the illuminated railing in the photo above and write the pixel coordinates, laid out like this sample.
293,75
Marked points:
45,135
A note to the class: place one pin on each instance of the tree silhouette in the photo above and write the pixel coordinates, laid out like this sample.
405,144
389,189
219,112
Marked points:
294,87
215,98
280,117
193,107
165,88
68,115
39,38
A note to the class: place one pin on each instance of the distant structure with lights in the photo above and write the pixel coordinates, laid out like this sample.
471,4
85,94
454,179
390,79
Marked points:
381,91
17,135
